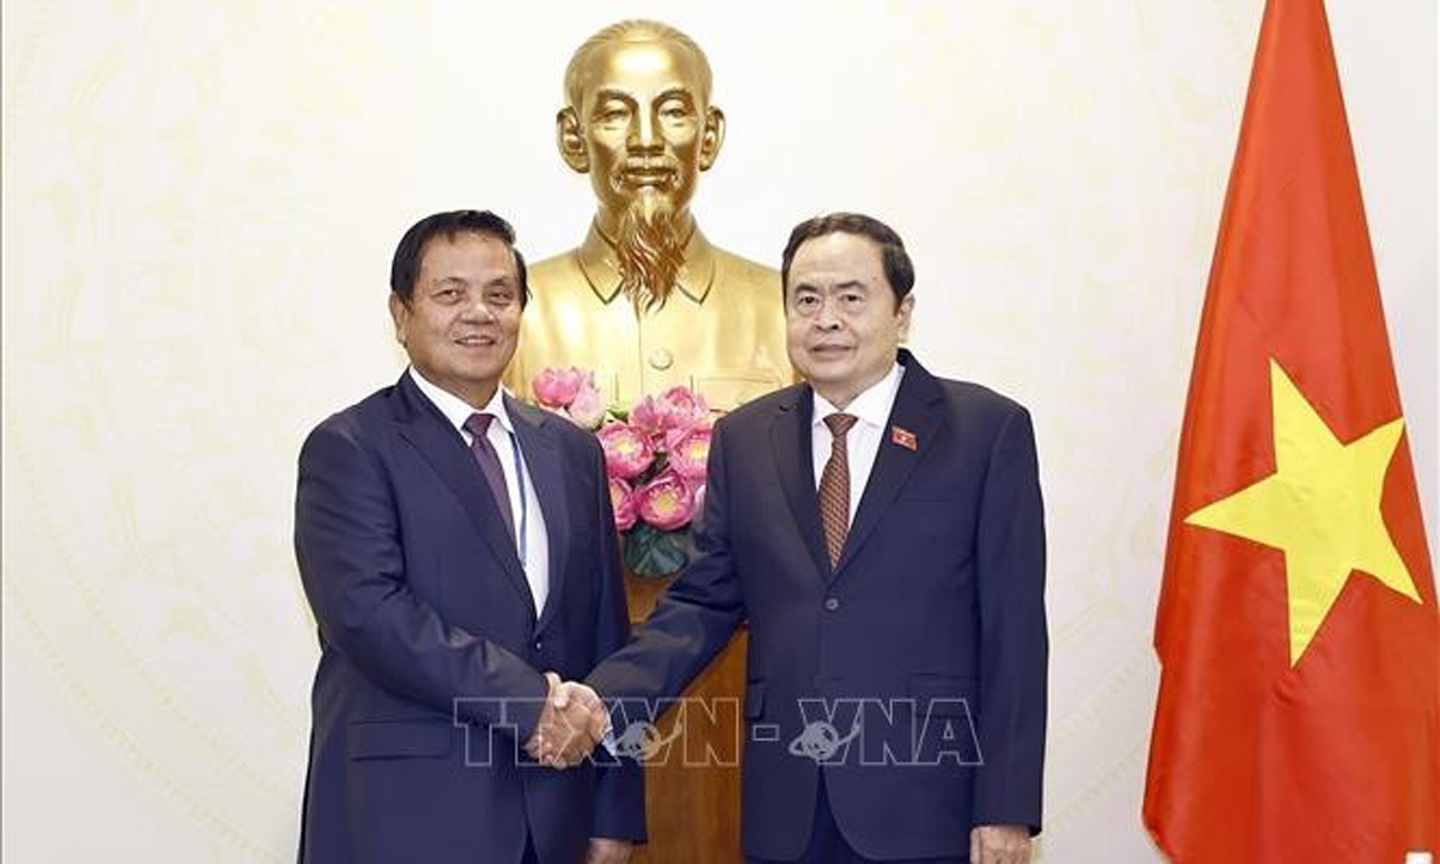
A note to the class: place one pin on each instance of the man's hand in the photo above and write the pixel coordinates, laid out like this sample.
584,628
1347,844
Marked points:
572,722
603,850
999,844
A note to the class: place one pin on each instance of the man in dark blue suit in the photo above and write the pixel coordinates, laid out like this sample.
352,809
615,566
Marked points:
453,543
882,531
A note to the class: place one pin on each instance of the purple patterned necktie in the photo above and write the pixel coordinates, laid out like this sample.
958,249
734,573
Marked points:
484,452
835,487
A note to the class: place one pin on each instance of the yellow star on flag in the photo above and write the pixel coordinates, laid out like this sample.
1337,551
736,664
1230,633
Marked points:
1321,507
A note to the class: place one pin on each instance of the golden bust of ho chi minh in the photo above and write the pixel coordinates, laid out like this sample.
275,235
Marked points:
646,301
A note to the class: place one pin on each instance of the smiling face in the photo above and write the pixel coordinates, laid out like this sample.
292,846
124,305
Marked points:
843,325
463,319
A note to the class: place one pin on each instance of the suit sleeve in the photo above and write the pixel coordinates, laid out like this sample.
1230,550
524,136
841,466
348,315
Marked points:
619,784
1014,648
693,620
351,563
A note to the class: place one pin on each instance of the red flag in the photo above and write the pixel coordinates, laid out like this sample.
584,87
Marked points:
1299,704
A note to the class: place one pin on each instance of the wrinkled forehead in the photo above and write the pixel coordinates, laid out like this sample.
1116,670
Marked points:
835,261
446,255
641,69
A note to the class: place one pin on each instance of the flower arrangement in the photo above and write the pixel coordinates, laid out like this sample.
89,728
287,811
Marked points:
655,455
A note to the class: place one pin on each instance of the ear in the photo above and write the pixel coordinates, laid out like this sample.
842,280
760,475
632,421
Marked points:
907,306
400,314
571,141
711,137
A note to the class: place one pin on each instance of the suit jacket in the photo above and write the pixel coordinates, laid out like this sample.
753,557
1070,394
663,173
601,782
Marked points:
931,629
430,674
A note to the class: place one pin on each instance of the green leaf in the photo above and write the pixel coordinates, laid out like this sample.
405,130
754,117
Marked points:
651,552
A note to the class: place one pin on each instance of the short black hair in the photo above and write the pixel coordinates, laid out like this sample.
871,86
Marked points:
405,268
899,272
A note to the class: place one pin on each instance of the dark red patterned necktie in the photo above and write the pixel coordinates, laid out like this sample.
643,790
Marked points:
835,488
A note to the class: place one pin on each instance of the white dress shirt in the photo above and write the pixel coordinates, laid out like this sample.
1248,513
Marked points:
535,549
872,411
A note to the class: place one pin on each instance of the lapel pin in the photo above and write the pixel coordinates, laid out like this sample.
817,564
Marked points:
904,437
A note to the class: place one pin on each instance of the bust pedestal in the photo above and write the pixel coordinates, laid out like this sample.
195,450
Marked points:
692,800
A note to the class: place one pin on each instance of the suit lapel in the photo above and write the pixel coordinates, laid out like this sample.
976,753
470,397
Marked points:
540,450
422,424
915,411
794,464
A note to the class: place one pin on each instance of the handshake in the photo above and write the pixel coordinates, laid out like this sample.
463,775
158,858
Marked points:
572,722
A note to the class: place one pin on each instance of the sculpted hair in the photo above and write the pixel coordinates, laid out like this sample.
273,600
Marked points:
633,30
405,266
899,272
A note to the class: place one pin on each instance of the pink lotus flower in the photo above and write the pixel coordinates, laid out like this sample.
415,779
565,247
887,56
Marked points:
666,502
557,388
627,450
645,416
689,450
676,408
588,408
622,501
684,406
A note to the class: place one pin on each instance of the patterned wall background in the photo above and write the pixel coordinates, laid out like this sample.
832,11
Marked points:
200,203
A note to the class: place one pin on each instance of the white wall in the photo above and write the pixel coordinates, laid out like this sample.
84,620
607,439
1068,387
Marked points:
200,205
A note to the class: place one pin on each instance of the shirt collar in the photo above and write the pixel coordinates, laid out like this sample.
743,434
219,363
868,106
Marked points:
601,267
457,410
871,407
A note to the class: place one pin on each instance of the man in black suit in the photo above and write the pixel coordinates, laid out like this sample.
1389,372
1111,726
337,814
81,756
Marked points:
882,531
453,543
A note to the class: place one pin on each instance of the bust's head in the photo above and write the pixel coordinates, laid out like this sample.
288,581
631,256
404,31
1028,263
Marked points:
638,120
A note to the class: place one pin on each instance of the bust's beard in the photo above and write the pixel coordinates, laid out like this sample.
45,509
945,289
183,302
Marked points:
650,247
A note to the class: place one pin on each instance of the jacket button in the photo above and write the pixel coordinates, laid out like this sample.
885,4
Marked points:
539,643
832,603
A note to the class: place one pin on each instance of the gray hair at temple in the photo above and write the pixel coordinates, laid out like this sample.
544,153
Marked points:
632,30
